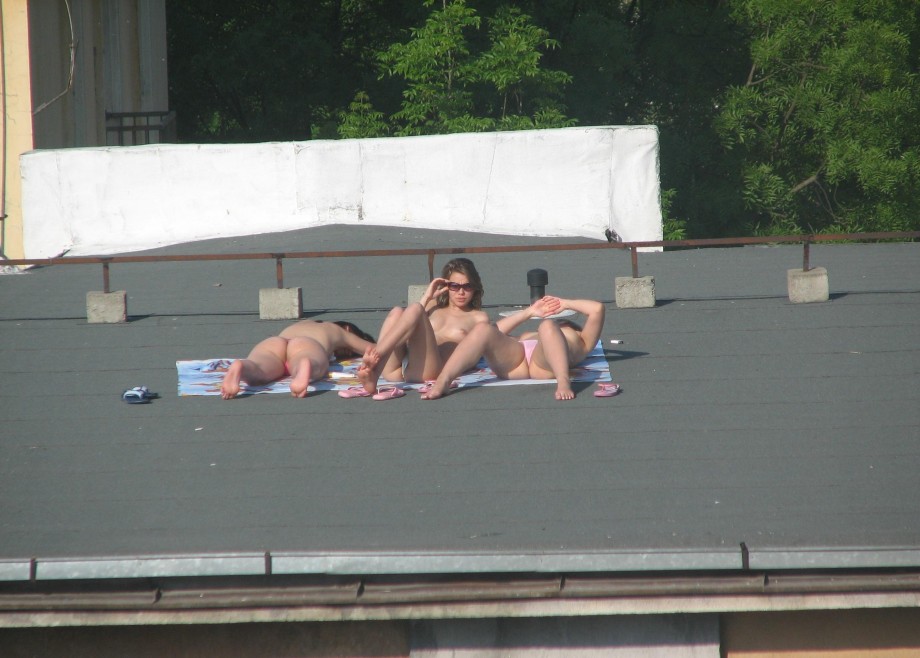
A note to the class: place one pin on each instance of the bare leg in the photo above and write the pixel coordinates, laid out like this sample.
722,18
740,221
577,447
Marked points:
504,354
264,364
390,363
308,362
403,327
395,349
552,354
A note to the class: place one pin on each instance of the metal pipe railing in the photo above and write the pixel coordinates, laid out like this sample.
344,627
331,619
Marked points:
430,252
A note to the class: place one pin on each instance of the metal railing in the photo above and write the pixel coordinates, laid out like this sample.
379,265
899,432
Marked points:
135,128
633,247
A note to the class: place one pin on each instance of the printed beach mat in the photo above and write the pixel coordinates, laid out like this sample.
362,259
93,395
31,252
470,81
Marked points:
203,377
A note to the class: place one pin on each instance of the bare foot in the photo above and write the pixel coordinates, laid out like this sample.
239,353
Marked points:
230,387
368,372
564,392
300,379
435,391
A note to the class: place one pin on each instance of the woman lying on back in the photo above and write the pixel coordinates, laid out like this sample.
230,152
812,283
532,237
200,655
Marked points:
548,353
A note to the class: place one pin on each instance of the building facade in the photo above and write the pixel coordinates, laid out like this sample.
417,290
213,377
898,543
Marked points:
78,73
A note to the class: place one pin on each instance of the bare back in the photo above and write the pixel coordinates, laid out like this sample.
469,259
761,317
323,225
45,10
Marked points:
329,335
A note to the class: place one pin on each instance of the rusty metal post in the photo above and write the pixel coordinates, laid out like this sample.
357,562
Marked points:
634,257
806,256
279,270
430,265
105,276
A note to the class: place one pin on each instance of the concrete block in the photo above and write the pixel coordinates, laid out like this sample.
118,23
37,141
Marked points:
280,303
635,292
415,293
807,286
107,306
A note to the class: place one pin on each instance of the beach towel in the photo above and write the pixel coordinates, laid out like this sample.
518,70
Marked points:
204,376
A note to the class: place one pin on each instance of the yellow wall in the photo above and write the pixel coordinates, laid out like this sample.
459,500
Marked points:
16,137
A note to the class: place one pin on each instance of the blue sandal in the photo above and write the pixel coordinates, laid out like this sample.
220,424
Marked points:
138,395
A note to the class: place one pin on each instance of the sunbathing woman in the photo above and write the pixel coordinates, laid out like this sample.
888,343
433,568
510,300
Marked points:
301,350
547,353
416,341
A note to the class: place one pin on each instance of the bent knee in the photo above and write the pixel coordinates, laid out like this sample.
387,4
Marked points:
548,327
482,329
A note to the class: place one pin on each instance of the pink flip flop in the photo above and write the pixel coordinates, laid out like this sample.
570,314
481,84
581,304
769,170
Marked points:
390,393
606,390
354,392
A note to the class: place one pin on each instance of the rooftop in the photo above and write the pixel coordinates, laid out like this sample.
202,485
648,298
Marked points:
752,434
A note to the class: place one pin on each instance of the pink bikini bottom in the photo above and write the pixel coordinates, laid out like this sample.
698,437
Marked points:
529,346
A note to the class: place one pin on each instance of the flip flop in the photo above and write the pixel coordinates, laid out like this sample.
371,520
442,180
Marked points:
138,395
354,392
606,390
389,393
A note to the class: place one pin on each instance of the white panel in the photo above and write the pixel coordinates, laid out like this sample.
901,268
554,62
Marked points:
466,562
567,182
150,567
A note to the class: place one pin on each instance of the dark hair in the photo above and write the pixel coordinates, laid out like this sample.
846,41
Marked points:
570,325
353,329
463,266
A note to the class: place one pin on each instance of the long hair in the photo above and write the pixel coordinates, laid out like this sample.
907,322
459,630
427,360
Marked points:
463,266
353,329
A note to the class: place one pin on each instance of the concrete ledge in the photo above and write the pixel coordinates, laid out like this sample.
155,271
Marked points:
280,304
415,293
106,307
806,286
635,292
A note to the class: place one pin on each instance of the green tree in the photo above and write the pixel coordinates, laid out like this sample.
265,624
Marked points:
512,65
827,123
666,63
362,119
435,63
258,70
450,88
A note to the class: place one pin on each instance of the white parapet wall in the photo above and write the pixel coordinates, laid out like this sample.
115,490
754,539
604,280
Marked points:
565,182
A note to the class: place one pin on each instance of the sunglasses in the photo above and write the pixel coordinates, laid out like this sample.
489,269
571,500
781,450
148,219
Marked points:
466,287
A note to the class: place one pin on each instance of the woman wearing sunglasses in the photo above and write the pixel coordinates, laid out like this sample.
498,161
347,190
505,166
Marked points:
416,341
548,353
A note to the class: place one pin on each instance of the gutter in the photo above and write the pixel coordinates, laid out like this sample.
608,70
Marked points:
196,601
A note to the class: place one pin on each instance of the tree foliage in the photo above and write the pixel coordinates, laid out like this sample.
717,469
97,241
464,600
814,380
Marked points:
254,70
827,120
448,87
773,115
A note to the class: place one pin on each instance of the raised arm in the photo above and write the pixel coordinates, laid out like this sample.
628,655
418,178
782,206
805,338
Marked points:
429,298
594,313
539,309
355,343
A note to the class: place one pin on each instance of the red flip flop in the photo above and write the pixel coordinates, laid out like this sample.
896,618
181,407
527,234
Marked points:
606,390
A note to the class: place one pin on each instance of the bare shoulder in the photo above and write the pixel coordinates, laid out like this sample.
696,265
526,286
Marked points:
302,328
